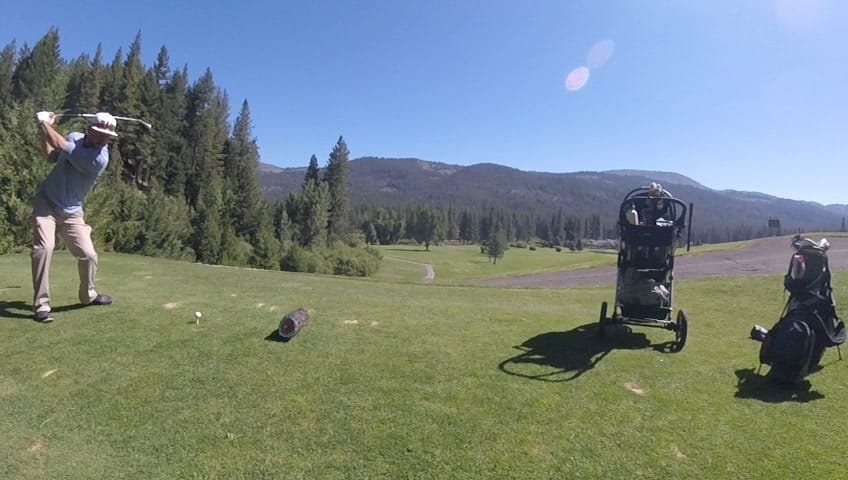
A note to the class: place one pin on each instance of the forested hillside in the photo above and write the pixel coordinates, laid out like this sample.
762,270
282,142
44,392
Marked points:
532,200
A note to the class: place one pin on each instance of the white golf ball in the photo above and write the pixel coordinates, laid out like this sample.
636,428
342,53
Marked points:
197,314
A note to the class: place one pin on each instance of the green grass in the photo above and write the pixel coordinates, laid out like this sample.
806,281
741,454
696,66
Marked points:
427,383
462,264
712,247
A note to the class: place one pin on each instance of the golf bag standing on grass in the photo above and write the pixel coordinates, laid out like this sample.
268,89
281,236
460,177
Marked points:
795,344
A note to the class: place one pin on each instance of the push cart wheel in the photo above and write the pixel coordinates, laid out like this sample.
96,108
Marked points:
602,321
681,329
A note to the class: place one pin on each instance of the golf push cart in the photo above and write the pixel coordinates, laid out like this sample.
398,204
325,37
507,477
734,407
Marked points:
650,224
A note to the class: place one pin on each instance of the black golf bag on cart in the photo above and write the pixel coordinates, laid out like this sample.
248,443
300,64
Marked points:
809,324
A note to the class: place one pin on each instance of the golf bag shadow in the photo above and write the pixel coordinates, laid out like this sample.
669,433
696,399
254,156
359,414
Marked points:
809,324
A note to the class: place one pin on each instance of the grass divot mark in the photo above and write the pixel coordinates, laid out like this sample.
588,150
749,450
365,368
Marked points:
170,305
634,388
49,372
260,305
351,322
677,452
36,446
374,324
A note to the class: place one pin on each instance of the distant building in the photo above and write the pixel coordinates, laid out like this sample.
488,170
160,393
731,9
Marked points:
774,226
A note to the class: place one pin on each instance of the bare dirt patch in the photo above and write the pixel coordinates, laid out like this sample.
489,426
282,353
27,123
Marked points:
36,446
170,305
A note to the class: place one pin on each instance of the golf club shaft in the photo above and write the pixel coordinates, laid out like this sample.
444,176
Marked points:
92,115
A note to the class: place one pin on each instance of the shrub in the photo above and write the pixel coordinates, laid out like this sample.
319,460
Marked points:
300,259
338,259
532,248
356,239
558,249
518,245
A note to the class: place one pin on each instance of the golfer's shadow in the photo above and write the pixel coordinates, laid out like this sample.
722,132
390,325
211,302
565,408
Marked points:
751,385
19,309
567,355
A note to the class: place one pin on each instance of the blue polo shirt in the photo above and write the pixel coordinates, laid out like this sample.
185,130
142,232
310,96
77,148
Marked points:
74,175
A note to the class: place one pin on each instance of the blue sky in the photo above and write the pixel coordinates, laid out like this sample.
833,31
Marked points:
748,95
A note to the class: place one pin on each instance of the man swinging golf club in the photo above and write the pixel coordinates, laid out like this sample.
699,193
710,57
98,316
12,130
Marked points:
78,160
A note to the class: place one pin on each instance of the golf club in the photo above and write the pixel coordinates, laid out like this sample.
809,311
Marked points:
91,115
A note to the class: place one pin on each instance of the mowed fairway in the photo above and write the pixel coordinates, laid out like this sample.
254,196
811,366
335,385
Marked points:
394,381
463,264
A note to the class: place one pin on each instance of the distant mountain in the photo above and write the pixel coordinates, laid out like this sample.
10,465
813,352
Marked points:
670,178
267,168
410,181
838,209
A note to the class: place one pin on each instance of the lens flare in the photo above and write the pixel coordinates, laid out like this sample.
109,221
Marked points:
577,79
600,53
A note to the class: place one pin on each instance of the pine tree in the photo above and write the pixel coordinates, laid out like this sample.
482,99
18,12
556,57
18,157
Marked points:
208,235
88,98
241,164
336,178
205,140
8,59
170,136
314,206
311,171
22,167
76,73
425,227
267,250
496,246
113,77
207,132
37,76
281,223
467,230
129,101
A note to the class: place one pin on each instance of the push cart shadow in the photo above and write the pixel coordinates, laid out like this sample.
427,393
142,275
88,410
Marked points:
567,355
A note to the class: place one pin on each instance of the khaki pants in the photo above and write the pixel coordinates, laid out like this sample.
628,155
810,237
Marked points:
76,236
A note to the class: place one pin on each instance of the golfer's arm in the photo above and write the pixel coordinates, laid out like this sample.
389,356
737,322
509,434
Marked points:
53,140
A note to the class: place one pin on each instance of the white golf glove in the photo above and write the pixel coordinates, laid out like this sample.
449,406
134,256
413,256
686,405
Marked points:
45,117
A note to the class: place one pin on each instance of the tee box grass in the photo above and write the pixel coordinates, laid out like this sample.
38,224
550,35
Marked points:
394,380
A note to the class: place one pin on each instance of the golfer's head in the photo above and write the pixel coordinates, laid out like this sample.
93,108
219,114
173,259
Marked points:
102,129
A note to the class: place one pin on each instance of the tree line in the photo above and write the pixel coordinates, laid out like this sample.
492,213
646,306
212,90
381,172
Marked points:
427,224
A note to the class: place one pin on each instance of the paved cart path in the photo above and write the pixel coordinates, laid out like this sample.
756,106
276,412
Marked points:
761,257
